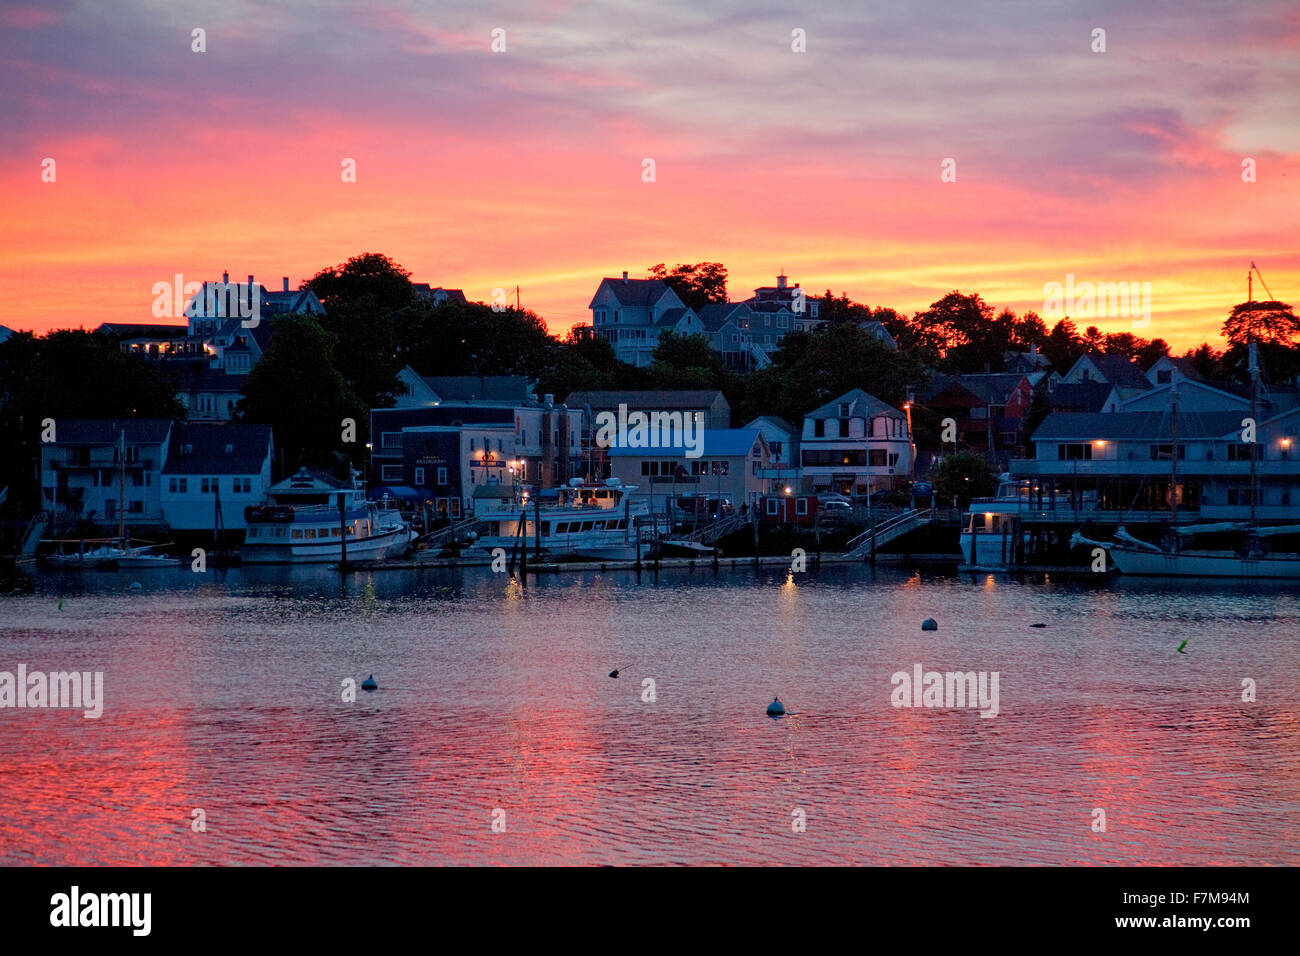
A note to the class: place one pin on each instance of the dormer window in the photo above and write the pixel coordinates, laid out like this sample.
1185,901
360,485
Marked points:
844,410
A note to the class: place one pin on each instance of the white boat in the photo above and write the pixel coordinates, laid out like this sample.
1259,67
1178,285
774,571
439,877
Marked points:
581,520
118,553
1131,555
302,523
991,527
114,556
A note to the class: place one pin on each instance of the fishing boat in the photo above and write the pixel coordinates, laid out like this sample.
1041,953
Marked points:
596,521
308,517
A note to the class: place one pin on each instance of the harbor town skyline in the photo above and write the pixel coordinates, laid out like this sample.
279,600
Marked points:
525,165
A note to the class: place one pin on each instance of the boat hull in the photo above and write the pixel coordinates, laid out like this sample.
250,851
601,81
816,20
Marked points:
329,551
1202,564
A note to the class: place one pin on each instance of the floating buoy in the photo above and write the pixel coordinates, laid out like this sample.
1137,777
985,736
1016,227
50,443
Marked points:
369,683
136,586
776,708
929,624
1038,625
613,673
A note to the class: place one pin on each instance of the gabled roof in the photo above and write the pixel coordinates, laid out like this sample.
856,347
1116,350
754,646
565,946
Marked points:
200,448
671,317
1118,370
637,293
994,388
775,420
1183,365
130,330
861,405
1080,396
481,388
1136,426
714,315
664,399
106,431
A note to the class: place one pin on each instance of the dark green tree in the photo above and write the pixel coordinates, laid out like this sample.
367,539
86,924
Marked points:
964,476
296,389
696,285
69,374
370,278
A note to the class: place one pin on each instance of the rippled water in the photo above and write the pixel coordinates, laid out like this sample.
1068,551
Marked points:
223,692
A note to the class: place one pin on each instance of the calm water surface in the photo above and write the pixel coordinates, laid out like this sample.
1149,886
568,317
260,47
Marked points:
223,692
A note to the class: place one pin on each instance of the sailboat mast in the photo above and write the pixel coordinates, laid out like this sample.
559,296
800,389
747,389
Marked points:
1254,418
1173,467
121,488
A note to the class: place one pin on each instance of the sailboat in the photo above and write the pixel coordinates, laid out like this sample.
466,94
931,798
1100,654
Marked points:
119,553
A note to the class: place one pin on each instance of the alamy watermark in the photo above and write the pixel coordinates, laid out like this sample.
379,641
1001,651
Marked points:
1098,300
82,690
207,300
684,430
951,689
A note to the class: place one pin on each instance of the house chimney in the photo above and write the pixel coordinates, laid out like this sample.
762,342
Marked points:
780,282
548,400
225,278
286,283
624,275
250,285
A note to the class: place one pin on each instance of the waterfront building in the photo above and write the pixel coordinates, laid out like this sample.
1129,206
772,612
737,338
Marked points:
728,467
212,472
855,444
81,471
470,431
1124,462
709,407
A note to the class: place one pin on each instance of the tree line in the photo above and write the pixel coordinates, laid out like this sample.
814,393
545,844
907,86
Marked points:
317,371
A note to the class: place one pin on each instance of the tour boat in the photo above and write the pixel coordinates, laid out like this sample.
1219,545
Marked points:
303,523
575,520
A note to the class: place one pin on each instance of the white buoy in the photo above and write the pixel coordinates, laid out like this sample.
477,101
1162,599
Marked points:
776,708
369,683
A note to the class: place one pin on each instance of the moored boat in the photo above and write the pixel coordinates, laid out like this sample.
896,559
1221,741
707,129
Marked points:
302,523
581,520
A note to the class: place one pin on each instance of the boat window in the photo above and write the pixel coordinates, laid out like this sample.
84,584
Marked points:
598,526
297,533
586,526
562,527
311,532
334,533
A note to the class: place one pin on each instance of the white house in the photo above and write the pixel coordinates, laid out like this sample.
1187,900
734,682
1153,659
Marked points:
631,314
213,467
82,470
855,444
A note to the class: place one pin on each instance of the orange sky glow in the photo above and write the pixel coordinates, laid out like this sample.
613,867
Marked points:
479,170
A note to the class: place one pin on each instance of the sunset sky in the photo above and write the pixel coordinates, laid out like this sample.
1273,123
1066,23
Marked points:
478,169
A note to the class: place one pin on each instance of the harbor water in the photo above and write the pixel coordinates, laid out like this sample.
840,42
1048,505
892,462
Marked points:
497,736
